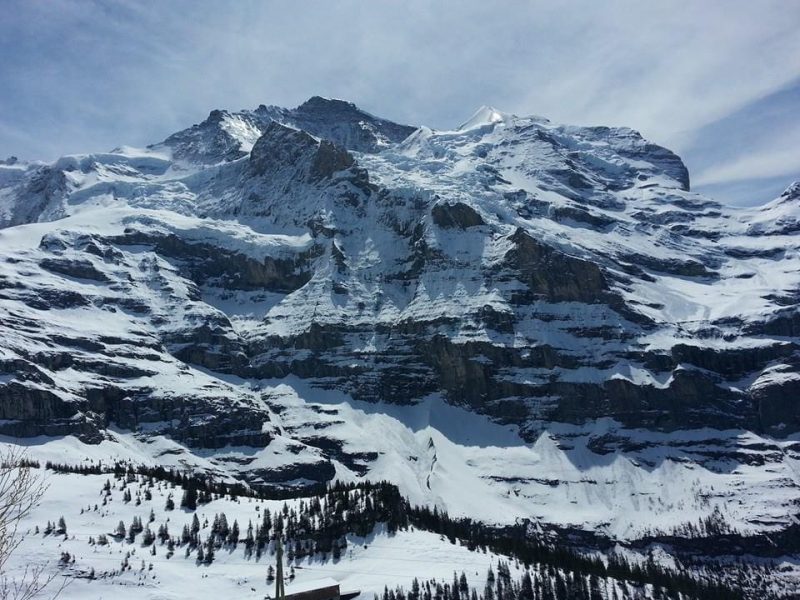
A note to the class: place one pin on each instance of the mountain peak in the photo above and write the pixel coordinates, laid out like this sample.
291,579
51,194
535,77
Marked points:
486,115
346,124
791,193
322,103
216,115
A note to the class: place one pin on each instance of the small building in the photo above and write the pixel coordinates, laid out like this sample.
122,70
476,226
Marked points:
319,589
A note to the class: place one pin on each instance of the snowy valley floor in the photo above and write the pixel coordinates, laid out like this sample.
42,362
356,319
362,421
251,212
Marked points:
92,506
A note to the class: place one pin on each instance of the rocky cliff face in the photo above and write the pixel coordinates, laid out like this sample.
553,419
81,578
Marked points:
558,280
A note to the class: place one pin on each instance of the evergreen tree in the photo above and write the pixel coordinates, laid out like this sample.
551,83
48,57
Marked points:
132,531
526,588
414,595
249,541
189,500
223,529
233,536
120,530
148,537
209,550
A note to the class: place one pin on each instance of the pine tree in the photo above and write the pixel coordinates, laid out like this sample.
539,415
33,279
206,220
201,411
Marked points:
223,529
337,551
414,595
209,550
249,541
526,590
233,536
594,588
148,537
463,586
189,500
131,533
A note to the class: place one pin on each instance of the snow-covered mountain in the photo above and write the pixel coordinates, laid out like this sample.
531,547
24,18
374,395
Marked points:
513,319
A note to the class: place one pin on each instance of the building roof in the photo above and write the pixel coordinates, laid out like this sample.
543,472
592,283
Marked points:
306,586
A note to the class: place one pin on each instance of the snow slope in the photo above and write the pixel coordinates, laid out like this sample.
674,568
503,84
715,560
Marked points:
543,315
368,564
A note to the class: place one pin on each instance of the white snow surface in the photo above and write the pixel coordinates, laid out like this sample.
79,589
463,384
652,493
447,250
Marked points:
366,566
514,173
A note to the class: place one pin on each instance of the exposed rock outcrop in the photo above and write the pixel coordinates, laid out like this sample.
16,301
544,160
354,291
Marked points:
457,214
553,274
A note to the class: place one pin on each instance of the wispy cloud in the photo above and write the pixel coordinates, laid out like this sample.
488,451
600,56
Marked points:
765,164
81,75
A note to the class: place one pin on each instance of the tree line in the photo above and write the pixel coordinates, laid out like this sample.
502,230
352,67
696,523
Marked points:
324,516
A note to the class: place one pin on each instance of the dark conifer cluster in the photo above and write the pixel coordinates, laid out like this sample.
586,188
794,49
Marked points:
318,525
540,582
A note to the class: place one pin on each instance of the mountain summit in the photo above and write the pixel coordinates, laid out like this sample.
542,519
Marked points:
543,314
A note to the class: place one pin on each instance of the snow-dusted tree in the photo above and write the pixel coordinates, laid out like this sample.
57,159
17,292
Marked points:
21,488
233,536
148,537
119,532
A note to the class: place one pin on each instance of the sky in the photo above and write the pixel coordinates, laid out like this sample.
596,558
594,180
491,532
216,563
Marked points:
716,81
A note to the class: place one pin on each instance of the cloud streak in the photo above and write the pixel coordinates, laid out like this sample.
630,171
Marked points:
93,75
766,164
